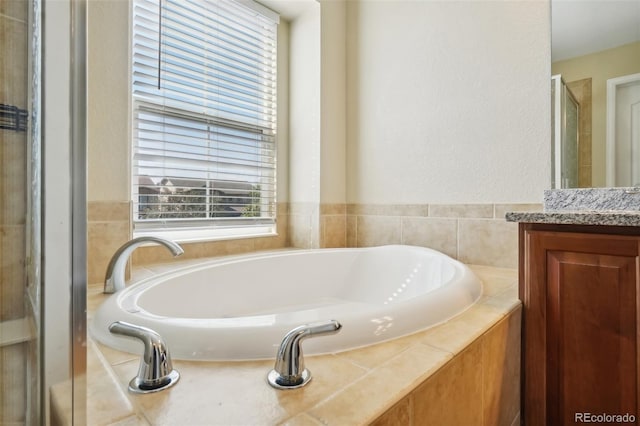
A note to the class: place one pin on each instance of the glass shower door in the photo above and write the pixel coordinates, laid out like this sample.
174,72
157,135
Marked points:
20,237
565,135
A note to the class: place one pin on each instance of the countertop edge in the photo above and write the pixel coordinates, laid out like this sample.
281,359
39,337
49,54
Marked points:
606,218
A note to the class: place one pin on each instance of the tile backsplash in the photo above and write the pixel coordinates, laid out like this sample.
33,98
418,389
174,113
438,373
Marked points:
471,233
109,226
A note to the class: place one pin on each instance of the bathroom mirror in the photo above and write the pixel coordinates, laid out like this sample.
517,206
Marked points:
595,55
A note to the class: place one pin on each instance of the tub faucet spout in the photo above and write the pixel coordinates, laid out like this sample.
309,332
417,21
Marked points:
114,278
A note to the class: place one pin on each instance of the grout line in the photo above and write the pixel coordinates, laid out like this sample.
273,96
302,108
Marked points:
371,372
457,238
483,389
14,19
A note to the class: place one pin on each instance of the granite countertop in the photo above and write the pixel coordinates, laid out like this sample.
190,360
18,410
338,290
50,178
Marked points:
585,206
581,217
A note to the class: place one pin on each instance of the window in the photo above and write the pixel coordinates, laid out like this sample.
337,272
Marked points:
204,118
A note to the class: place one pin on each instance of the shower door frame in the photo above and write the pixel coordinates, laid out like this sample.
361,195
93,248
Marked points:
556,140
559,117
64,235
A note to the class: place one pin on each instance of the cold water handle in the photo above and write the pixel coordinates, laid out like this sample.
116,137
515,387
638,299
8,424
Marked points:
156,370
289,371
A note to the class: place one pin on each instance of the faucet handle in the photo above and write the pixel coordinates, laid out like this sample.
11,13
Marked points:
289,371
156,371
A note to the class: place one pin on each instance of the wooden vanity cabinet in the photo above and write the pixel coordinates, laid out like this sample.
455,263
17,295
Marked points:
579,288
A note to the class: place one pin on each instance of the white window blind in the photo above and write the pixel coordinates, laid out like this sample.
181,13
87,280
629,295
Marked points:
204,115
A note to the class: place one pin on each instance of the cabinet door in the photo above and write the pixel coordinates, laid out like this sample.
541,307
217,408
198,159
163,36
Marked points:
580,331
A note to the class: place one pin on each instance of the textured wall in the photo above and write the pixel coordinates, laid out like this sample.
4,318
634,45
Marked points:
405,108
108,101
448,102
304,112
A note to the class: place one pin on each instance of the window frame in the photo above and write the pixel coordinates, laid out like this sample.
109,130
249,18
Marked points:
204,229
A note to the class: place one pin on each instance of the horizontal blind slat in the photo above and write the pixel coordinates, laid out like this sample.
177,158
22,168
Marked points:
191,136
188,61
225,14
204,142
167,114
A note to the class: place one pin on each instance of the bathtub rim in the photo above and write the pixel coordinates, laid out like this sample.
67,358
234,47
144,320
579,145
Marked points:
149,319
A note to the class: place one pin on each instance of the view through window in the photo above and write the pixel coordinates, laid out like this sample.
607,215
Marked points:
204,114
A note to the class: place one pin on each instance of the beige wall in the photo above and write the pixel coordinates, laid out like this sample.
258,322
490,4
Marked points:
304,114
304,129
108,101
388,107
430,118
333,128
448,102
317,143
600,67
108,158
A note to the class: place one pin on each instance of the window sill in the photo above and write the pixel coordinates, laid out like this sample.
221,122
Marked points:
207,235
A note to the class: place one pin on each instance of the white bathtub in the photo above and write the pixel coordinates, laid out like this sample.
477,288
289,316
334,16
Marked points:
240,308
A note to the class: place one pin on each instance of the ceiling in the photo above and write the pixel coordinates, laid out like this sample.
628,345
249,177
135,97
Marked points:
580,27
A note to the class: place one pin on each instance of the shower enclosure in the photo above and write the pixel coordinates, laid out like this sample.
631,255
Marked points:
42,213
565,138
20,207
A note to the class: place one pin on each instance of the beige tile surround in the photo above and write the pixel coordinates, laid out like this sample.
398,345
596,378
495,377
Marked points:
581,89
465,371
471,233
450,364
109,226
156,254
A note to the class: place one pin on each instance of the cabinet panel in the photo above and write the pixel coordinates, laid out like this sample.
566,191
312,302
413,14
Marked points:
579,293
591,335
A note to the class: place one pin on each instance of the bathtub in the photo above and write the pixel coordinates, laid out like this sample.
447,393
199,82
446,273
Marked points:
240,308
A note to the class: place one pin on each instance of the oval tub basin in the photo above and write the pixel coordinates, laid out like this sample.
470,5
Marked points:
240,308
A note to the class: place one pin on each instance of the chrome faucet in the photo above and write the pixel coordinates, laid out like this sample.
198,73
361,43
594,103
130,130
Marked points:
114,278
156,369
289,371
